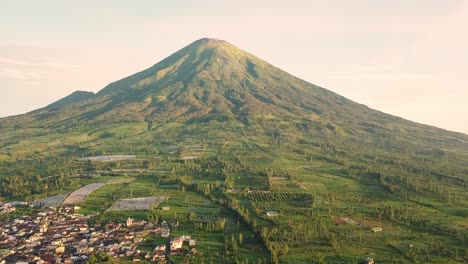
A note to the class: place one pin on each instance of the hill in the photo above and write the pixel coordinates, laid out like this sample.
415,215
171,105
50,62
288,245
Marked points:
72,98
222,120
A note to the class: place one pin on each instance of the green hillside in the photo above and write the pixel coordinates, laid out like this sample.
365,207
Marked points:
223,123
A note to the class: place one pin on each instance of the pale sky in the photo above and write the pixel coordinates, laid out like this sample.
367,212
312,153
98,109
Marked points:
404,57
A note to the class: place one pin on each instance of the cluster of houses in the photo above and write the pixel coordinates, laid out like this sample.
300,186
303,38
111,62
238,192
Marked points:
6,208
65,237
177,243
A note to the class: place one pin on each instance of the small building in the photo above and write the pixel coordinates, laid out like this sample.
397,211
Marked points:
16,203
165,208
176,244
161,247
60,250
192,242
129,222
272,213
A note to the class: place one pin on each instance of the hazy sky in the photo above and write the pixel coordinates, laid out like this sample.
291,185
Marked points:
406,58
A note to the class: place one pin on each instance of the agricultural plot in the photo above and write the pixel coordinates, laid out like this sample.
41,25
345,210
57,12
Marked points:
53,201
191,152
108,158
251,181
299,199
344,221
120,180
80,195
281,205
142,203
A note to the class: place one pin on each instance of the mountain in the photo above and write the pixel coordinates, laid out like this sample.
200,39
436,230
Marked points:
255,122
205,78
214,80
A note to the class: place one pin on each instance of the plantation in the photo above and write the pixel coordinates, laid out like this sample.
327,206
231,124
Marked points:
304,199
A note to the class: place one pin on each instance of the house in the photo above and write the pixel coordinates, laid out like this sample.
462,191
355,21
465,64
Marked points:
192,242
377,229
272,214
60,250
176,244
165,233
129,222
148,256
160,248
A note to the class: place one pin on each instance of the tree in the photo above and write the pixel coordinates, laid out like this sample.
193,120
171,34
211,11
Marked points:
229,182
97,258
240,239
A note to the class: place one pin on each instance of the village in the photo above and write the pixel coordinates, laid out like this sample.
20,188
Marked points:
59,235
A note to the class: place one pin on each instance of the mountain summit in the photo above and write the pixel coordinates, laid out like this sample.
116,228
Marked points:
214,77
207,79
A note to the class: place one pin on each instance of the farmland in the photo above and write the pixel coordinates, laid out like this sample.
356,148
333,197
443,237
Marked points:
234,180
282,197
108,158
229,180
142,203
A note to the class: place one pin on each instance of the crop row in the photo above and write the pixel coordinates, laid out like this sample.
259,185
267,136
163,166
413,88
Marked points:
281,197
